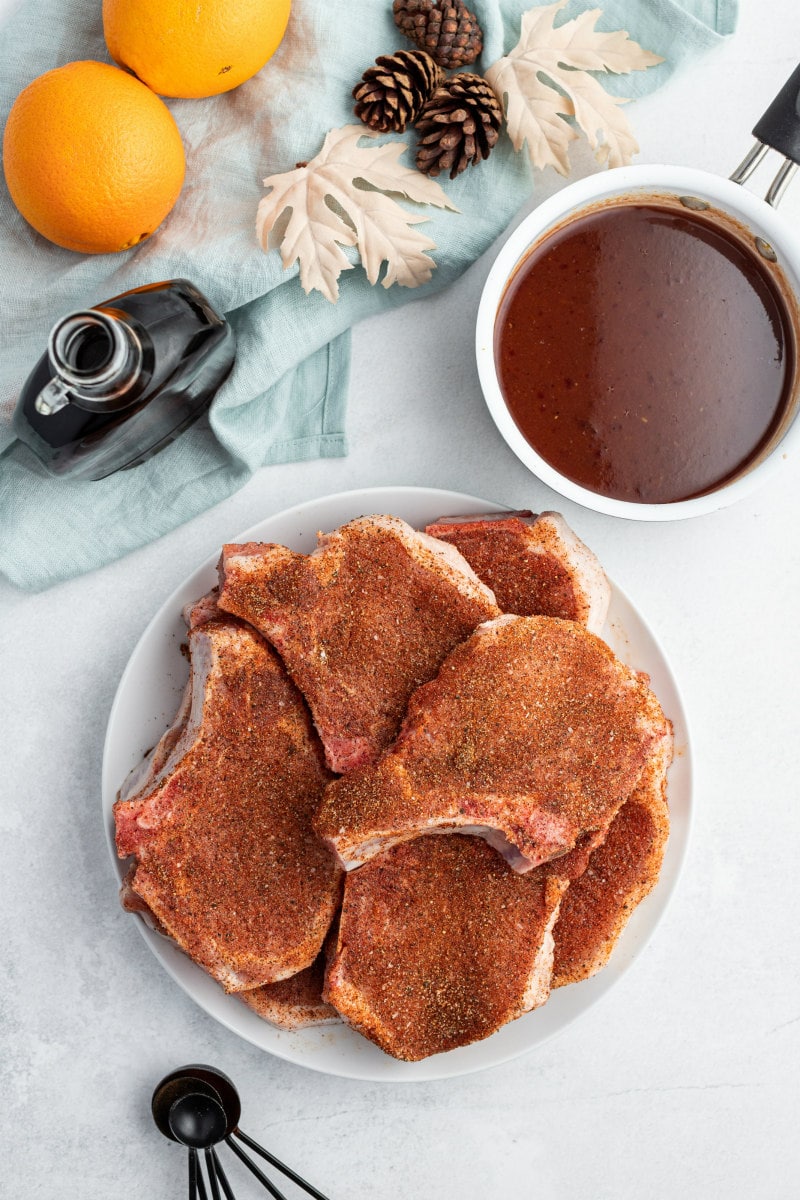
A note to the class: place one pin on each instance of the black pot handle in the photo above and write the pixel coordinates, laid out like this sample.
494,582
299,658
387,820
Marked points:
780,125
778,129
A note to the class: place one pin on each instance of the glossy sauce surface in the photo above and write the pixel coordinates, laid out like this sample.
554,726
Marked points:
645,352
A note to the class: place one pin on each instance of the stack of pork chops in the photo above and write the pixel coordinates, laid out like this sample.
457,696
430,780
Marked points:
409,786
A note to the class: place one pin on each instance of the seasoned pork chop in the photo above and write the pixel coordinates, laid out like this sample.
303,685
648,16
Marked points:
440,943
619,874
294,1003
226,859
360,623
532,734
535,565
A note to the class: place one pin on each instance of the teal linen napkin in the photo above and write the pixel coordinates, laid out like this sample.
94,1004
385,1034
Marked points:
286,397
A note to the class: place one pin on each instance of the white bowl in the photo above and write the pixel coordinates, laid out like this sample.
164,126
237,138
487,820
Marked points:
649,182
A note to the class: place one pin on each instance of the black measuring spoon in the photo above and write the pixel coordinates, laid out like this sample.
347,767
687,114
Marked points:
199,1107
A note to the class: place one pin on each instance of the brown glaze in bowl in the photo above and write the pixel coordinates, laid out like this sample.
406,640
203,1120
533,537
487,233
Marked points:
637,342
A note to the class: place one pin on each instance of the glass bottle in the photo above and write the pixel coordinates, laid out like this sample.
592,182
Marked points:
122,380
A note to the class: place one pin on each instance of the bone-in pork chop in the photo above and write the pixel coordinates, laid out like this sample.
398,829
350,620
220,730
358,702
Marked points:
535,565
360,623
532,734
226,859
619,874
294,1003
440,943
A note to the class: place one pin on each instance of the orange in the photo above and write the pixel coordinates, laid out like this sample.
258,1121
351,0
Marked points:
93,160
197,49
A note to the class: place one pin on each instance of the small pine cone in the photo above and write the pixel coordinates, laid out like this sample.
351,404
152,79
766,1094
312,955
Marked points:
392,94
449,32
458,126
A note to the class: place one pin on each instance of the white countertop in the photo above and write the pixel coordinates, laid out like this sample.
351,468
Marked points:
684,1079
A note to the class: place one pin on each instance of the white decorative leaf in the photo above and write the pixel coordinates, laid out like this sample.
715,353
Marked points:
543,82
340,199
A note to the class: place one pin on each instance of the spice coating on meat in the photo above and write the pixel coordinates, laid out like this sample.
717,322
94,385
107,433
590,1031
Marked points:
535,565
532,729
360,623
294,1003
619,874
440,944
226,859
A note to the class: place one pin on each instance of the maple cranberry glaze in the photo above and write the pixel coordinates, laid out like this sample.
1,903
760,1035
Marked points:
645,351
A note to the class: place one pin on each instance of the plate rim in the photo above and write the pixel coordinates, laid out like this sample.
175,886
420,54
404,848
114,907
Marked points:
397,1071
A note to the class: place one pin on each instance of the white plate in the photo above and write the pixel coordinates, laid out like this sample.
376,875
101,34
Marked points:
146,701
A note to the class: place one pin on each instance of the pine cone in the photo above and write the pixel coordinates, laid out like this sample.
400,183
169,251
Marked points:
458,126
393,92
449,32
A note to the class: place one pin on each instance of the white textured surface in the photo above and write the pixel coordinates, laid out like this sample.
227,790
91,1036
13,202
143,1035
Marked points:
684,1080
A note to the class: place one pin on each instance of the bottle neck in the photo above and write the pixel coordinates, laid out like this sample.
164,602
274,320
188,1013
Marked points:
96,358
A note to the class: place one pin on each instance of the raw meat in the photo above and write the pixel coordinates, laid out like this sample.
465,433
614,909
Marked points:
440,943
226,859
360,623
294,1003
535,565
532,734
620,873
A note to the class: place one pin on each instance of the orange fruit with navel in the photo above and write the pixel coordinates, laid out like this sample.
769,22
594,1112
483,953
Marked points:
93,159
194,50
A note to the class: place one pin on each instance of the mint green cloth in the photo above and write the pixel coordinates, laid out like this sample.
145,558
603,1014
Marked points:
286,397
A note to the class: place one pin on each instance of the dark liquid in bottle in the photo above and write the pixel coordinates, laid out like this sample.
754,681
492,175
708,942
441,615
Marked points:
93,351
188,350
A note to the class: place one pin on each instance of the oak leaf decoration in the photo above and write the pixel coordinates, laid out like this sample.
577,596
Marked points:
543,81
344,197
